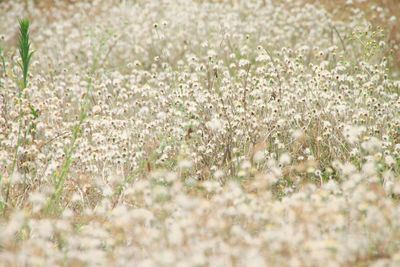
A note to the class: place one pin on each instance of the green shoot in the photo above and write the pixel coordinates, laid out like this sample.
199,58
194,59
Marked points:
24,50
24,47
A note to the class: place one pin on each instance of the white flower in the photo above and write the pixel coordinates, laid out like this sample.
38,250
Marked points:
372,145
243,63
215,125
285,159
352,133
185,164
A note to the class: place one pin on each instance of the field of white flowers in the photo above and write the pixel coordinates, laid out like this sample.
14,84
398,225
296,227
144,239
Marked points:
198,133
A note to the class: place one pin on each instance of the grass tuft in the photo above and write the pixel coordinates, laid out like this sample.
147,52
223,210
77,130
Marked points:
24,50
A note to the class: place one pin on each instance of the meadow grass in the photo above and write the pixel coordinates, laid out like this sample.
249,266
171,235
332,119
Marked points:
197,133
25,53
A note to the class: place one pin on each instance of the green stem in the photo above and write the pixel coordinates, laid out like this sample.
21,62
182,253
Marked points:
60,177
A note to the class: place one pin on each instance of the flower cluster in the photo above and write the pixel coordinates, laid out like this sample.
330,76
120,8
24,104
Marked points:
198,133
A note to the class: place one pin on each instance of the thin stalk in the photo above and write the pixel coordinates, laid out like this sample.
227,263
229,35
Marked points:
3,61
24,47
60,176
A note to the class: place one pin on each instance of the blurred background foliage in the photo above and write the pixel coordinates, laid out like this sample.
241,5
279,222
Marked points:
384,16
